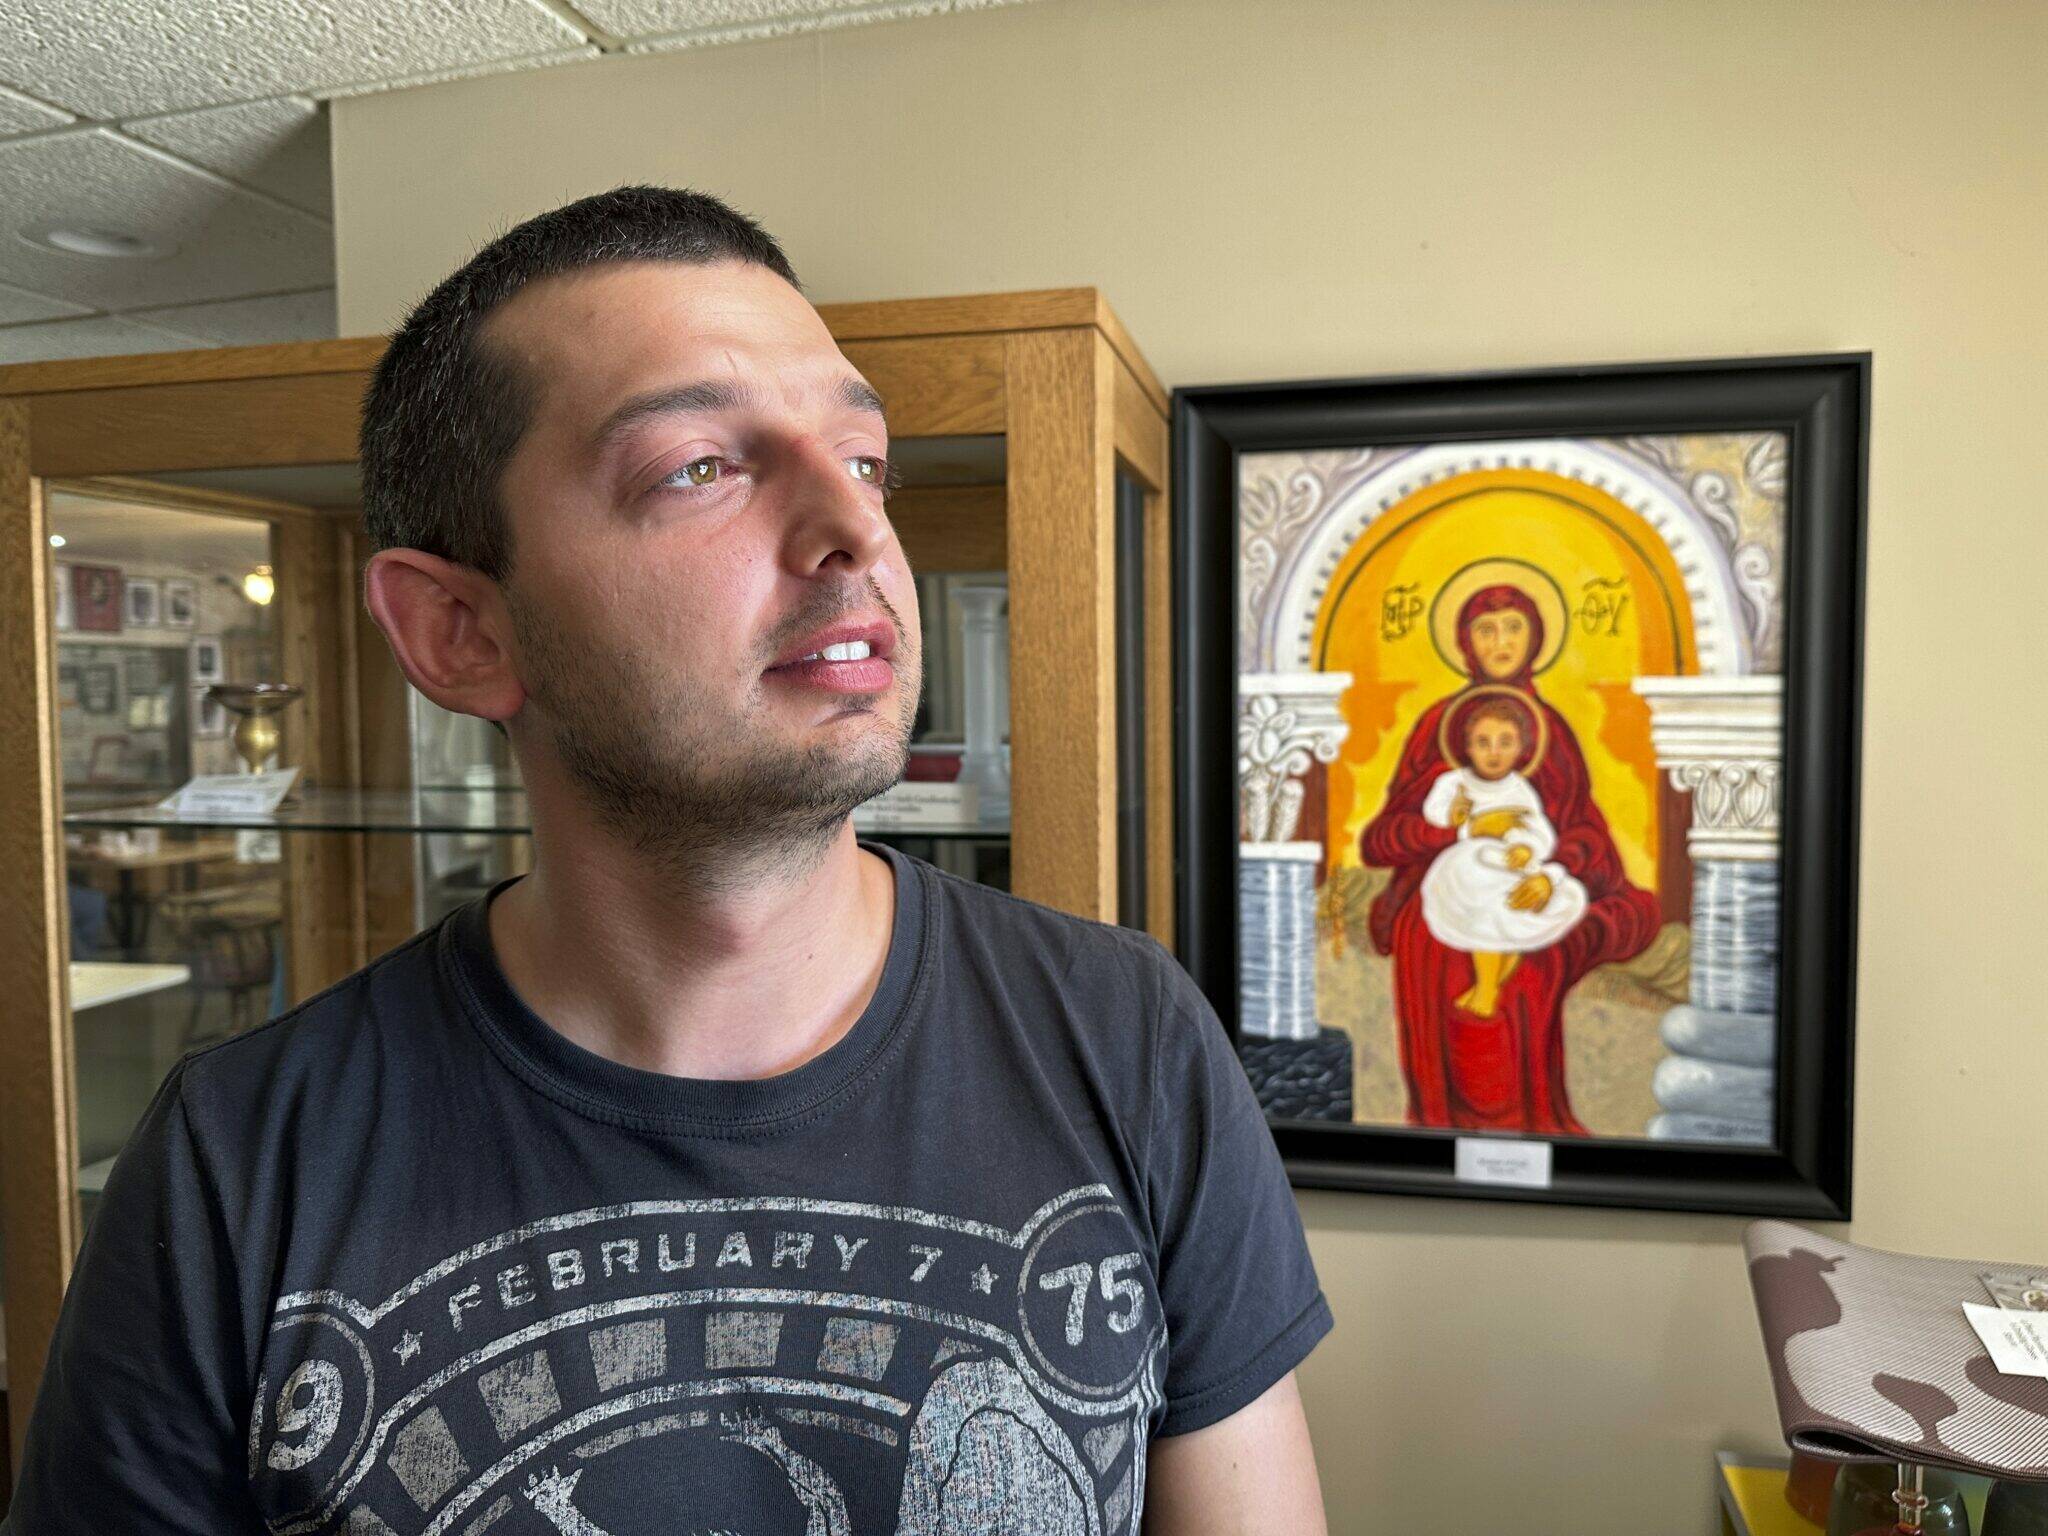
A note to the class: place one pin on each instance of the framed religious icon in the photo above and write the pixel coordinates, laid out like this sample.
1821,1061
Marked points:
1518,800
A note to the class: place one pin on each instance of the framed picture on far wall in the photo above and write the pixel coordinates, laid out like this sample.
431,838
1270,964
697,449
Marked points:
181,604
145,602
96,598
98,687
208,664
1519,810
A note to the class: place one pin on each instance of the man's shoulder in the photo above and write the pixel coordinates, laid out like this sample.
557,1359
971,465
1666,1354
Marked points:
998,912
1014,931
339,1031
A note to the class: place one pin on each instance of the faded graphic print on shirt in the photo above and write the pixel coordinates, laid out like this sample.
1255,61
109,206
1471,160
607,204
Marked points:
746,1365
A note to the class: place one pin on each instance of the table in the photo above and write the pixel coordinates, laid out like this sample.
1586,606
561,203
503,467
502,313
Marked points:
185,856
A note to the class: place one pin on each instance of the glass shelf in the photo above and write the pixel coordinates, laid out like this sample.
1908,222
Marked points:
500,812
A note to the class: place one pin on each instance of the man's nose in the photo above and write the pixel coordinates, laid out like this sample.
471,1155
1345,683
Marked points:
833,516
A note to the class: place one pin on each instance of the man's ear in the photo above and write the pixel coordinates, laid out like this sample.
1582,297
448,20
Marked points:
448,630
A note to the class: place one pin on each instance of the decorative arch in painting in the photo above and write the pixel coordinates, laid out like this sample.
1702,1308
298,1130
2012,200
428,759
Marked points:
1721,637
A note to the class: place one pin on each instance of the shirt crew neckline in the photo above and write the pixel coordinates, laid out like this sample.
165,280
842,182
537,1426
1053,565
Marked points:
602,1089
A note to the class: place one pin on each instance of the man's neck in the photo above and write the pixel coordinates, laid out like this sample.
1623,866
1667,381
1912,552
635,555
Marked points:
707,979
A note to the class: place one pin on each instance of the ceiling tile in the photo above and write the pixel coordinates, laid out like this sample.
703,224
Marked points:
249,322
674,23
21,114
18,304
277,146
99,336
119,58
227,242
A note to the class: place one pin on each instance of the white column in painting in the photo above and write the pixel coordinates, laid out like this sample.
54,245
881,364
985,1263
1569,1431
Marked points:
1276,914
986,642
1286,720
1721,739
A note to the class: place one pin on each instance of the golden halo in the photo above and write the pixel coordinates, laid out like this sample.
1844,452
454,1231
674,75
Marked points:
1457,703
1531,581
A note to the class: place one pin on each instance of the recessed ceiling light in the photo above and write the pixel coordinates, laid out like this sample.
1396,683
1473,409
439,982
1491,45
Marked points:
56,541
90,240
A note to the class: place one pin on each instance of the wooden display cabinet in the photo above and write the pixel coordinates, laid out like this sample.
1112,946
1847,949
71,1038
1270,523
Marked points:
1045,391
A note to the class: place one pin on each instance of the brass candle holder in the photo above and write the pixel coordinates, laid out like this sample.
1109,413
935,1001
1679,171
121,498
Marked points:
255,706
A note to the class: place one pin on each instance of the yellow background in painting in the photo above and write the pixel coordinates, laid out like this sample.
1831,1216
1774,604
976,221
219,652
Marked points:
1374,623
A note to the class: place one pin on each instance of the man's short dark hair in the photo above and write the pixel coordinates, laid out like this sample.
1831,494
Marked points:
444,412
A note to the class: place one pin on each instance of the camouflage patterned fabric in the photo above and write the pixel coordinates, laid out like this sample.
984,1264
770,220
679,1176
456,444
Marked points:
1872,1357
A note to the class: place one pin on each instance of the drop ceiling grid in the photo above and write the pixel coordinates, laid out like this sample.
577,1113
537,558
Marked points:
114,59
24,114
93,336
238,322
278,146
200,121
228,242
218,92
18,306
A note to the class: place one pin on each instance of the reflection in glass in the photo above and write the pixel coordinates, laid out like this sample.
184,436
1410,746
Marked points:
176,933
467,778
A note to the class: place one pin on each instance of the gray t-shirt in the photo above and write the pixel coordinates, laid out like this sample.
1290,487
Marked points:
408,1260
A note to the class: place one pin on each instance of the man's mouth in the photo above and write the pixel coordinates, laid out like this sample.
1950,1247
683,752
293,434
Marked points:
850,667
852,650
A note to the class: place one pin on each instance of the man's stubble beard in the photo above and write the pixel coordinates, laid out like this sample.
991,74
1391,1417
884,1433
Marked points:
700,792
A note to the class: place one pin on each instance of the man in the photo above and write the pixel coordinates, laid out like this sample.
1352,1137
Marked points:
725,1172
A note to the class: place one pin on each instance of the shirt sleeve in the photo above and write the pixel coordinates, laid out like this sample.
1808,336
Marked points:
1242,1302
137,1422
1436,806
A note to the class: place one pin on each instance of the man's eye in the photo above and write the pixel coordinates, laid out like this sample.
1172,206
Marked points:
871,469
697,472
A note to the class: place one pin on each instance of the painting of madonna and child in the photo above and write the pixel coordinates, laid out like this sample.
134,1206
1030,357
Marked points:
1509,734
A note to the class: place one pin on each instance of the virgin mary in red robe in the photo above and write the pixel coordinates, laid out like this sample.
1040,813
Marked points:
1505,1071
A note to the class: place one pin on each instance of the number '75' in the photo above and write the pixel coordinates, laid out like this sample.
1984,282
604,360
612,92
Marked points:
1079,1276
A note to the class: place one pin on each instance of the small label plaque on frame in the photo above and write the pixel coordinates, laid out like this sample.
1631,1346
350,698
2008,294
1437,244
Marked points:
1494,1160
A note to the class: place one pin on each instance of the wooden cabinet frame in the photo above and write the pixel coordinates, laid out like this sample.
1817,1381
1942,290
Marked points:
1053,372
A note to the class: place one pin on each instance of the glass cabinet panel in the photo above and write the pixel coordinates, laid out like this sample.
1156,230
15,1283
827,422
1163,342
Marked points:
176,932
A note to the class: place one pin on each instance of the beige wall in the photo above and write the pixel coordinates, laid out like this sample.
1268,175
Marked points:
1291,190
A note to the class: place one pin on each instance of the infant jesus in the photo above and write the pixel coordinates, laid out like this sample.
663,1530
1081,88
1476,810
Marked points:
1503,839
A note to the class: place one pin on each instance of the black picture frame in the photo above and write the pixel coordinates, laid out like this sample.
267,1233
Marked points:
1821,404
